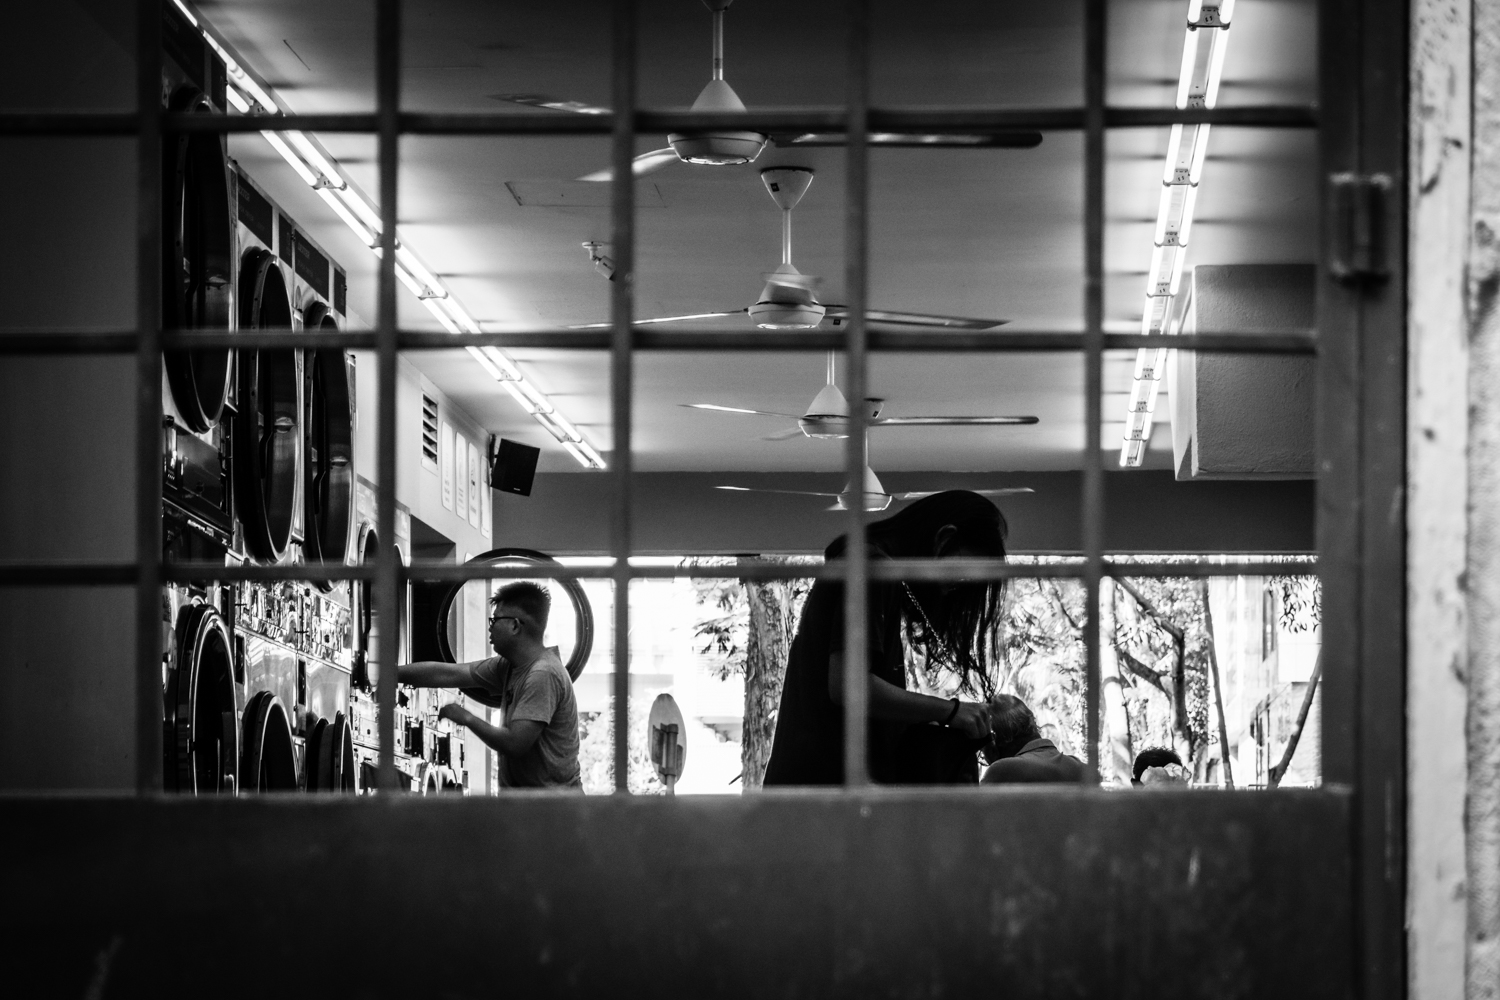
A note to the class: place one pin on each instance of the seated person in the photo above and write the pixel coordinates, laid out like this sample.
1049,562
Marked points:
1158,767
1017,753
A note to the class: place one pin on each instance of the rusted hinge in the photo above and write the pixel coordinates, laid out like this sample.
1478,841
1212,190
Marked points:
1356,246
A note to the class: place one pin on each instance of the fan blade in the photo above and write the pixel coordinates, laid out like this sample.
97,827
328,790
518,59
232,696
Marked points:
917,140
953,421
795,493
1008,491
737,409
840,313
640,166
550,103
785,435
655,320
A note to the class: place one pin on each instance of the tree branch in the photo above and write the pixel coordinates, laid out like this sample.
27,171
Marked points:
1166,624
1145,673
1279,771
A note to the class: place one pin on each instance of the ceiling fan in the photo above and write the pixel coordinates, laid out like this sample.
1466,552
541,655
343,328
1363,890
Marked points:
828,415
873,495
787,301
721,147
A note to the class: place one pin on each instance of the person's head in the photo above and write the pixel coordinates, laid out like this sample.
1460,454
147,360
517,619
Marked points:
1152,757
1012,726
964,618
518,615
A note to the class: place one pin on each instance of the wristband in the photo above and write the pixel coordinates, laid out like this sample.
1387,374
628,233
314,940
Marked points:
951,713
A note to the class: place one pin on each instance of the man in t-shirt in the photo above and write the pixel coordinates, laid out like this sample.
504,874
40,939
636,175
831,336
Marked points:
1017,753
537,738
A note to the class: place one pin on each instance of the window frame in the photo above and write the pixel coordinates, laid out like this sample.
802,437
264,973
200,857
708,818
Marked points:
1359,343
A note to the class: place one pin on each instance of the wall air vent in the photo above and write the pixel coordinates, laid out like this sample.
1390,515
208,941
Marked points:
429,433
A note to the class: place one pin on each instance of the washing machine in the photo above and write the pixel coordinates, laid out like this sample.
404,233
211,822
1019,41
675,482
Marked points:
202,691
429,751
198,294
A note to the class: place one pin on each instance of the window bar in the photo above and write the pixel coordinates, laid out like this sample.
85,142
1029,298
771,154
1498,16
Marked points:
622,310
148,763
856,236
1095,25
387,560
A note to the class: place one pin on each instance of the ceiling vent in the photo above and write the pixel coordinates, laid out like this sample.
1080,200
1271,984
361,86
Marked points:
429,433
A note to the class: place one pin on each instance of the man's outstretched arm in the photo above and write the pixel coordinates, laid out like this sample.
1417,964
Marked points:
431,673
512,740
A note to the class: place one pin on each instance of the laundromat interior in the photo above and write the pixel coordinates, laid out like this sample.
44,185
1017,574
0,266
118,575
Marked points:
323,321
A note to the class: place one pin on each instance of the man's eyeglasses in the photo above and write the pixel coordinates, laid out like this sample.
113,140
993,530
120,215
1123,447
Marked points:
501,618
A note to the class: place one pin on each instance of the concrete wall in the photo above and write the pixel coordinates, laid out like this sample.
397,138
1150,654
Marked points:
1243,416
1453,506
681,512
67,424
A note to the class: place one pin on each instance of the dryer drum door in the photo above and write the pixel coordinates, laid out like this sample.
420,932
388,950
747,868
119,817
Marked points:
197,249
473,590
328,455
335,759
204,753
267,439
269,762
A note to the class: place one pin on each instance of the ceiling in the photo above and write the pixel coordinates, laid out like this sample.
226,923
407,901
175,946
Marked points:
977,233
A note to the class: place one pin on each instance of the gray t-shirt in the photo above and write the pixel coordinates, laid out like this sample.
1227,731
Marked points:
543,693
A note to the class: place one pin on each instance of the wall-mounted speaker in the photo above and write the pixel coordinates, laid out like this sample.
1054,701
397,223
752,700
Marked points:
513,467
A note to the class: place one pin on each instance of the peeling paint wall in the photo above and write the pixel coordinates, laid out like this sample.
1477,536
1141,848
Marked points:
1483,730
1454,502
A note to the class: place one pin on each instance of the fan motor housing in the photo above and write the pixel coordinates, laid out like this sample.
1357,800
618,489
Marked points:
787,315
717,148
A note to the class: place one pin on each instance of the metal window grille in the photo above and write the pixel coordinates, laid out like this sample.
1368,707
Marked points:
855,119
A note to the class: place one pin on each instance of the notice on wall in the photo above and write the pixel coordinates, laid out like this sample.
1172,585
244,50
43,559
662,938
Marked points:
445,463
460,475
474,483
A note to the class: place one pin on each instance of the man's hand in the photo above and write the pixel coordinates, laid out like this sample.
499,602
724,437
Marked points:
972,719
455,711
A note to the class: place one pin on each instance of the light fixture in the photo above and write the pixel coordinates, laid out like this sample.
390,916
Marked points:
1205,44
295,161
332,200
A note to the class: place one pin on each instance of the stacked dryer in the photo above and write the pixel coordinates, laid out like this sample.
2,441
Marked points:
255,677
202,693
293,474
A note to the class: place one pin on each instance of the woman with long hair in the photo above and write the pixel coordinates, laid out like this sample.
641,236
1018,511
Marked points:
955,624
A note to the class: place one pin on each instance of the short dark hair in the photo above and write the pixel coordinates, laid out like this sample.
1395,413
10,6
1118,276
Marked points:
1013,724
530,599
1152,757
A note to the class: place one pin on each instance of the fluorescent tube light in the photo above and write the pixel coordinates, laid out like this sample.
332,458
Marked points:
236,100
566,426
518,395
278,144
1174,216
582,457
412,284
1189,65
441,316
505,364
315,158
342,211
361,208
593,455
486,364
1216,66
538,398
463,319
417,269
185,12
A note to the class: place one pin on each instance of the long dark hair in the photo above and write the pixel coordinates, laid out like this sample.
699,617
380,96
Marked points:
965,619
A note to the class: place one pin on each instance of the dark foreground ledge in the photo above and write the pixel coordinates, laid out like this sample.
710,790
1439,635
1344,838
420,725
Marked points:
1015,893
